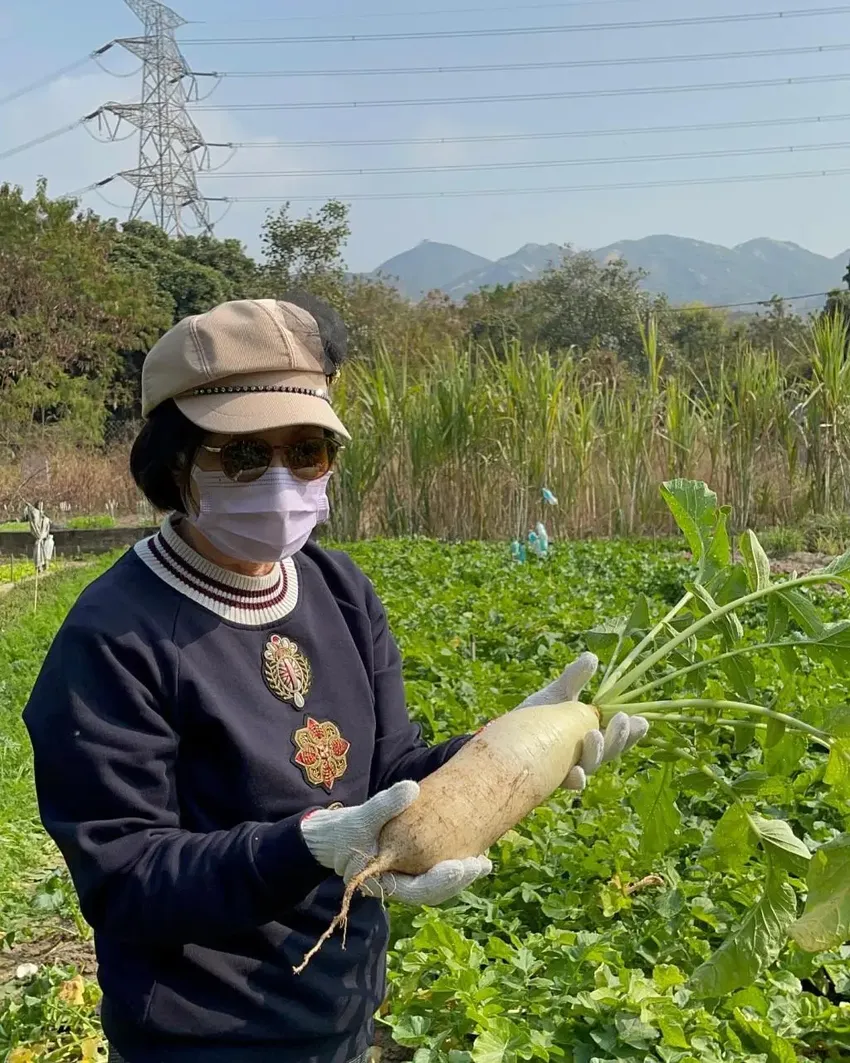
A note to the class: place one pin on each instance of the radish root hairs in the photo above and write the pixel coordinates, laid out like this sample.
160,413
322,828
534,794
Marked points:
373,870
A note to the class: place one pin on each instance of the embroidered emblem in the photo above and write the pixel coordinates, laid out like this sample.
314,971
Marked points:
287,671
322,752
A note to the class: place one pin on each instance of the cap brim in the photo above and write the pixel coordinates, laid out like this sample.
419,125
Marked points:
261,412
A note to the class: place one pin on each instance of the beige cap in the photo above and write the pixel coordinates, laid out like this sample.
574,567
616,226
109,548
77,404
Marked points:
245,366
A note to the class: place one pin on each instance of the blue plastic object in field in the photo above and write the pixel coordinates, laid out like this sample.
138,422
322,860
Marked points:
538,542
549,498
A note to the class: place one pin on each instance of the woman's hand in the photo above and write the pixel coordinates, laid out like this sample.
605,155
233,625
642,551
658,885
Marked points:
346,840
620,735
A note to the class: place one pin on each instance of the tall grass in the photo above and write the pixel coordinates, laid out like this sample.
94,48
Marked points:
827,406
463,447
459,442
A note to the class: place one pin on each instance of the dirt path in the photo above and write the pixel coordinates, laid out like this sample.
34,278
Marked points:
802,563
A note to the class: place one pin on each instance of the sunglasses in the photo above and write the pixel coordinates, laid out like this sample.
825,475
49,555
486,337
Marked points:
245,459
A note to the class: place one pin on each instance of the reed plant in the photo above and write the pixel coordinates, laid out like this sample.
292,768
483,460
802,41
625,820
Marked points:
458,441
474,435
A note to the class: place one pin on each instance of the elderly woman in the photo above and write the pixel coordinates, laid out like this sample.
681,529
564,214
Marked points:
219,728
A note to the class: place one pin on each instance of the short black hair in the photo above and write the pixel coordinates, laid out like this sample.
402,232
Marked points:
162,457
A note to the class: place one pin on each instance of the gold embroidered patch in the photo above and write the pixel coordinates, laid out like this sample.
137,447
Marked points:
322,752
287,671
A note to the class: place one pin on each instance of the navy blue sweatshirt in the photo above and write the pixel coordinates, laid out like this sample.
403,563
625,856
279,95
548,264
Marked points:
184,720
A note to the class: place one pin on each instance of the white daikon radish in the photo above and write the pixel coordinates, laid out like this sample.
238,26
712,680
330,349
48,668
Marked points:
490,785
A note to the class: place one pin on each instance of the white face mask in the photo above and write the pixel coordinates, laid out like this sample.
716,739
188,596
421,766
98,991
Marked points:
266,520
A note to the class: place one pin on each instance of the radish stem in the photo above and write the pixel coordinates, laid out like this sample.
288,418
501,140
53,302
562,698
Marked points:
609,691
680,672
664,717
708,703
645,641
727,788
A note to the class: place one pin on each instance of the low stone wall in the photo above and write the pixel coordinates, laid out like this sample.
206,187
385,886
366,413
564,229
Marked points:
74,542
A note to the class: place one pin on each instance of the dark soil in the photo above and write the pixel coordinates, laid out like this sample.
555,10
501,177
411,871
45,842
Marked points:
60,948
387,1051
802,563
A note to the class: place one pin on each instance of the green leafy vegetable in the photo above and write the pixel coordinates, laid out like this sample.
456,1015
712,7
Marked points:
754,945
653,802
825,922
837,772
764,1039
695,510
732,841
756,562
704,636
781,844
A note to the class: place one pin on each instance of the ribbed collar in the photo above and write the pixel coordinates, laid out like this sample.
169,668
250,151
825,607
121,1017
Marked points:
253,601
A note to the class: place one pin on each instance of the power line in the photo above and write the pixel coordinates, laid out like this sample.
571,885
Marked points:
792,149
532,97
339,17
41,140
498,138
495,138
750,302
527,31
48,79
570,64
559,189
78,193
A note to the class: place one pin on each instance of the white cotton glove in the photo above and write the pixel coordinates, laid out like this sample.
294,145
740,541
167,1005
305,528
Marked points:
345,840
620,735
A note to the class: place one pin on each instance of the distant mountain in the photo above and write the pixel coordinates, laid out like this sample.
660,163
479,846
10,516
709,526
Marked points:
427,267
683,269
526,264
693,271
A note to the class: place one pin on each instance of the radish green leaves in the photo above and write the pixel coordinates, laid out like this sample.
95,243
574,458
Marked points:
694,669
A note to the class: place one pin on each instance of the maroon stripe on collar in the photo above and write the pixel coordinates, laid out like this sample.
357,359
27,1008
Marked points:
231,600
186,567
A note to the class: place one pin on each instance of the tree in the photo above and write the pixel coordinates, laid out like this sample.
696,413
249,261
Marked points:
192,285
495,317
699,334
66,314
378,316
838,300
307,252
781,330
191,274
579,304
591,306
228,258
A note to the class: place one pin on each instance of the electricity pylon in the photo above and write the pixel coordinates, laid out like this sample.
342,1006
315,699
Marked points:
172,149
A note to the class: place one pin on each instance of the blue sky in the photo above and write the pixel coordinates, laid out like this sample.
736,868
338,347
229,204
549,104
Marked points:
41,36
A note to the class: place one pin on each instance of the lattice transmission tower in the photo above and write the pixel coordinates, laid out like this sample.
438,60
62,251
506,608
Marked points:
172,150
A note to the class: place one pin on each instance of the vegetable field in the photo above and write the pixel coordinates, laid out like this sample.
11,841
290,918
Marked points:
690,907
